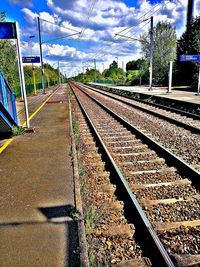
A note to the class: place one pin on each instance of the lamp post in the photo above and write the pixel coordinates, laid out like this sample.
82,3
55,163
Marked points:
117,61
33,71
123,70
103,66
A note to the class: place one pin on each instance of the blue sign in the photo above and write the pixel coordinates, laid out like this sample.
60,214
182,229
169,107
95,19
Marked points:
31,59
8,30
190,58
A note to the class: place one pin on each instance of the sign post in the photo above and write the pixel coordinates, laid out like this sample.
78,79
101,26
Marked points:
21,70
198,90
31,59
192,58
10,30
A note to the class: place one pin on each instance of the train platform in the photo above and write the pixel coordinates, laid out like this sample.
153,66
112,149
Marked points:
37,189
180,95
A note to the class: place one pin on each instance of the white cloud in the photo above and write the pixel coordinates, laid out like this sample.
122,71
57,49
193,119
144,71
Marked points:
28,3
29,15
107,18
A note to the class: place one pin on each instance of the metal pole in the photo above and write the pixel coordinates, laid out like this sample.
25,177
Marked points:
21,72
41,57
198,89
33,72
83,72
47,72
94,70
170,77
123,70
190,11
58,72
20,77
151,55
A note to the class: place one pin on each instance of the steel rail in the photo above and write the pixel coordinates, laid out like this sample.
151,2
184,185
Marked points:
182,112
191,128
160,254
184,168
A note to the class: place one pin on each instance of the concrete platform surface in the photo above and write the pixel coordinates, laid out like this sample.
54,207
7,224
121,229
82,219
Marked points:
37,192
186,96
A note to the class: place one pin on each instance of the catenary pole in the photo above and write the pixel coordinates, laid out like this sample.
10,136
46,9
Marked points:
198,89
41,57
94,70
151,55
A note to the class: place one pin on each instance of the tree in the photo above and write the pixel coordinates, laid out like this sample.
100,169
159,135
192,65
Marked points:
113,65
135,64
114,73
188,44
88,76
8,62
137,71
164,50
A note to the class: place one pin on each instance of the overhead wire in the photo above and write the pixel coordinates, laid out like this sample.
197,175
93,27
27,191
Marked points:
85,24
60,26
150,12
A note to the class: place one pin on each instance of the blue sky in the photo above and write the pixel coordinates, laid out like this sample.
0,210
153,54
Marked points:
98,20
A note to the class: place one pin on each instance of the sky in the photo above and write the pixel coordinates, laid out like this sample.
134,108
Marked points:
88,28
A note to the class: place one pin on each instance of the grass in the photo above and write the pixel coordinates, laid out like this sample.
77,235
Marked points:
70,93
75,130
18,130
80,170
75,214
89,219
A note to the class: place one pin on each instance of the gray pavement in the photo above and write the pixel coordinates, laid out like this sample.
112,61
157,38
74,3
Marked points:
162,92
37,193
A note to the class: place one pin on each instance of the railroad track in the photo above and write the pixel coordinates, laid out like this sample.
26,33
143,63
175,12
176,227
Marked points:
187,120
158,190
178,140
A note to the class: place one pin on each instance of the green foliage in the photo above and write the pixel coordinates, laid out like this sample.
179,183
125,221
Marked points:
114,73
88,76
19,130
71,95
135,64
8,62
164,50
113,65
132,74
188,44
75,214
75,129
9,68
89,219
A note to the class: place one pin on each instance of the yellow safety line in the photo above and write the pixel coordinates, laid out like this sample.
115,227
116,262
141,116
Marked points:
33,115
7,143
